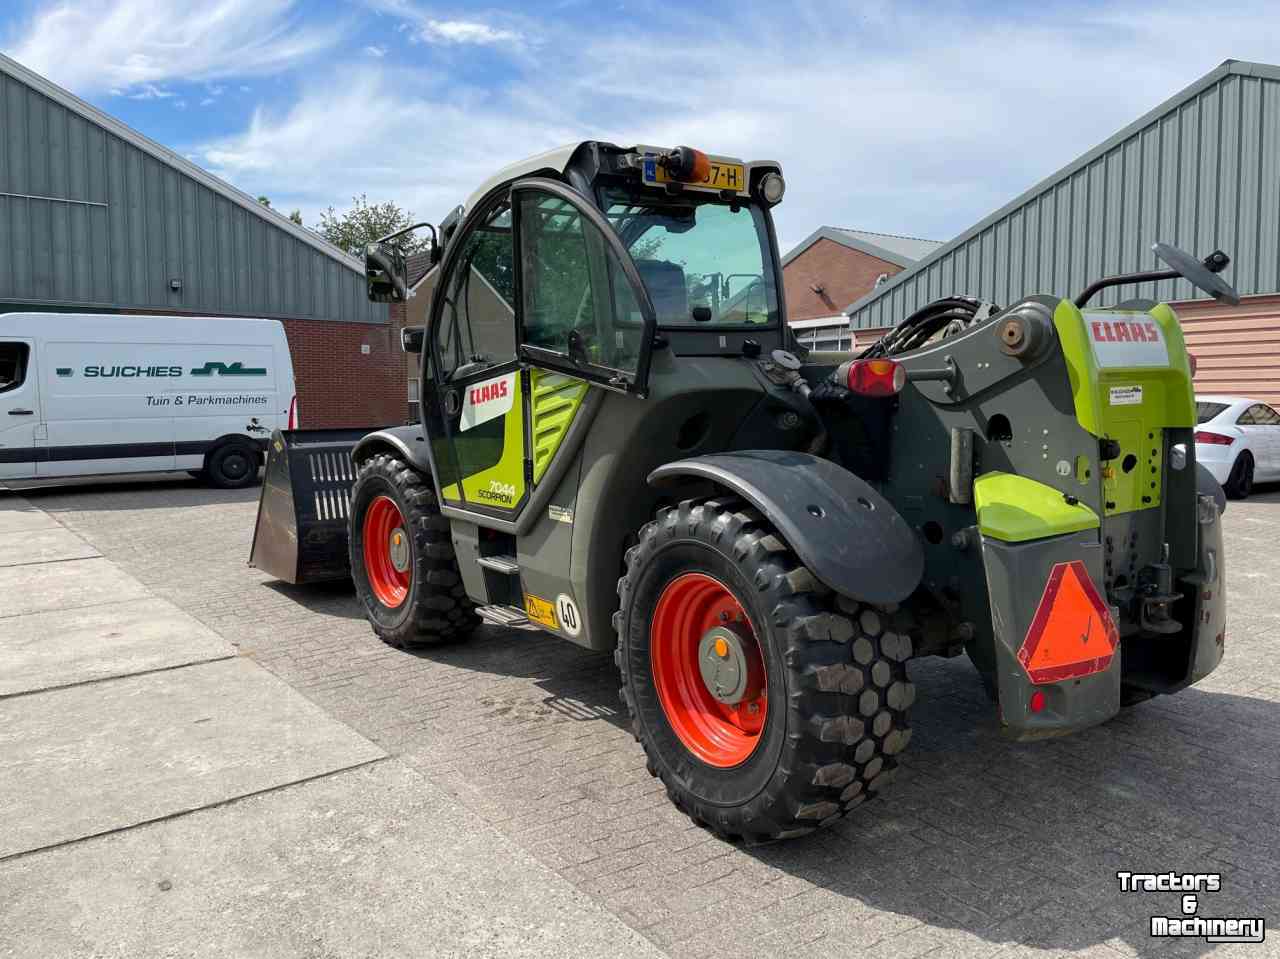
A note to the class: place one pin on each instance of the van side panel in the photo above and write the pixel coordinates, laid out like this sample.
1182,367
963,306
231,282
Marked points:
126,407
126,394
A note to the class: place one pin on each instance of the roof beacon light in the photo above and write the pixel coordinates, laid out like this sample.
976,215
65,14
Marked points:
878,377
687,165
772,188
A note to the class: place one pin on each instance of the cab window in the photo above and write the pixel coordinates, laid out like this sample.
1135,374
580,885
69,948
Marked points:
477,324
704,262
13,365
576,301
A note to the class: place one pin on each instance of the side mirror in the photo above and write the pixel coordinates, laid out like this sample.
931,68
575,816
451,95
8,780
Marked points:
384,269
412,338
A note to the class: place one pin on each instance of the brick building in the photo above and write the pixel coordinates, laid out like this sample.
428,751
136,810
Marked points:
833,267
97,218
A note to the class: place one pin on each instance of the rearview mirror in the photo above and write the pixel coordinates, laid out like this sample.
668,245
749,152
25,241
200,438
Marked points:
384,269
411,338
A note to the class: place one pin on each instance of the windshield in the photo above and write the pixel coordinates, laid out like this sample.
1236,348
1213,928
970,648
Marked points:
1205,411
705,263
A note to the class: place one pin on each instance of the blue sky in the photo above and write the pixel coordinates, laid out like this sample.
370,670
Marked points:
907,117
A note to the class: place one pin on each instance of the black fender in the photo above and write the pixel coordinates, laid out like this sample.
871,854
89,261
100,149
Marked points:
409,443
848,535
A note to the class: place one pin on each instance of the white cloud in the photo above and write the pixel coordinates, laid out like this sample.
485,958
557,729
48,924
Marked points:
464,32
375,51
122,44
145,91
422,25
375,135
897,118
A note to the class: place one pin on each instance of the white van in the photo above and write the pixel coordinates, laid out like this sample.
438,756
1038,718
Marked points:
86,394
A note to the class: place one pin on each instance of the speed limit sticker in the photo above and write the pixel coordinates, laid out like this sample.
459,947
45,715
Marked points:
570,618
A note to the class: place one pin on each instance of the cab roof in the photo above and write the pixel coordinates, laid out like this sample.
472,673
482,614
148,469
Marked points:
558,160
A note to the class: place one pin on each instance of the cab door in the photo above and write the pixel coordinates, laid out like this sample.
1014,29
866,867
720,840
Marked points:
537,299
472,399
20,419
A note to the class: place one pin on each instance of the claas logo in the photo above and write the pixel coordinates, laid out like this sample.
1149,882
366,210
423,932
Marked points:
1122,331
496,390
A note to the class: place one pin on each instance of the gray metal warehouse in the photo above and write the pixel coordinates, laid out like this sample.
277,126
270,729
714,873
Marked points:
1201,171
96,217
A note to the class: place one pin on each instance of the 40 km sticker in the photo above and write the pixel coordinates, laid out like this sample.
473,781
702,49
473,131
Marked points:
570,618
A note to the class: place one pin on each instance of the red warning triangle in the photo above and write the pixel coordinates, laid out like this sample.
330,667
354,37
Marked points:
1072,633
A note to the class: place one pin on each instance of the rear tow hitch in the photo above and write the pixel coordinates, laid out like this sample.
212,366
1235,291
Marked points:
1157,596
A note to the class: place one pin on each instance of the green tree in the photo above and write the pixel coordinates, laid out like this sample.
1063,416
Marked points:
265,202
296,217
365,222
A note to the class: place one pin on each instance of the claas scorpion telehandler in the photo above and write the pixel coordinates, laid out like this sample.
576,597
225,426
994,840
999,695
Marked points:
622,444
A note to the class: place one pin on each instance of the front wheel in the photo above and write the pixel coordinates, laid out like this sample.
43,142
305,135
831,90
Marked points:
1239,483
402,558
767,706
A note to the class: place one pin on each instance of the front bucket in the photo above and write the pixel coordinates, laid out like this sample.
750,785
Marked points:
301,534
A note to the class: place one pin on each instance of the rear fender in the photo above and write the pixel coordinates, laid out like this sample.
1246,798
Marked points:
404,442
1043,559
847,534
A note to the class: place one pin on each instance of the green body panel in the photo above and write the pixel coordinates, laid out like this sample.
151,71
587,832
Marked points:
553,403
502,485
1015,509
1132,481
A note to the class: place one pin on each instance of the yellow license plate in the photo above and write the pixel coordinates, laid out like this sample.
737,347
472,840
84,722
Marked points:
722,176
540,611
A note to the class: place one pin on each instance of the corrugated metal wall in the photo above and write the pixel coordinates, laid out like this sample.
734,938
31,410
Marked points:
1202,171
87,219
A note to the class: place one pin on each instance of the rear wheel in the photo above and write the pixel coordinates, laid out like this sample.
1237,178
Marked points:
232,466
1239,483
767,706
402,558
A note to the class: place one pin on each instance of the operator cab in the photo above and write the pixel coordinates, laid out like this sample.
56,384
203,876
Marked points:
693,231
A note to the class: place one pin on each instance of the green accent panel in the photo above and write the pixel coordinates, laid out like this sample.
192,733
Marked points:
1013,508
553,405
500,486
1167,401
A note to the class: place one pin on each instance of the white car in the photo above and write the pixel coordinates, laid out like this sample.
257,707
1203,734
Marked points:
1238,441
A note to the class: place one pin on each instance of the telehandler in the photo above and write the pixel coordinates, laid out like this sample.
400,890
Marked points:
621,443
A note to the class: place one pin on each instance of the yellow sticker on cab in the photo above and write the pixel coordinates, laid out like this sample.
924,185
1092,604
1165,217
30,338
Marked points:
540,611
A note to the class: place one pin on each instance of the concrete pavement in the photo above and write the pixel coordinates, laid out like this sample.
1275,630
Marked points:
161,795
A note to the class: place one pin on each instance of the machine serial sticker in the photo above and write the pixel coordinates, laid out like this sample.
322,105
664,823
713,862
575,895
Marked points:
540,611
1126,396
560,514
487,400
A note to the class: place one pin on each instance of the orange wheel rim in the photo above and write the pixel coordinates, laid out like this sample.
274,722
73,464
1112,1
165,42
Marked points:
386,552
689,611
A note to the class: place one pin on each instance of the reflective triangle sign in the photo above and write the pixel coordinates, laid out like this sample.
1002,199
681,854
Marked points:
1072,633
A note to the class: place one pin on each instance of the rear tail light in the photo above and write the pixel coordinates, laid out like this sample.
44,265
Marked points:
877,377
1213,439
1037,701
293,414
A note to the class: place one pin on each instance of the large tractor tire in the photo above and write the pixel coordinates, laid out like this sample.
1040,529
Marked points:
767,706
402,558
